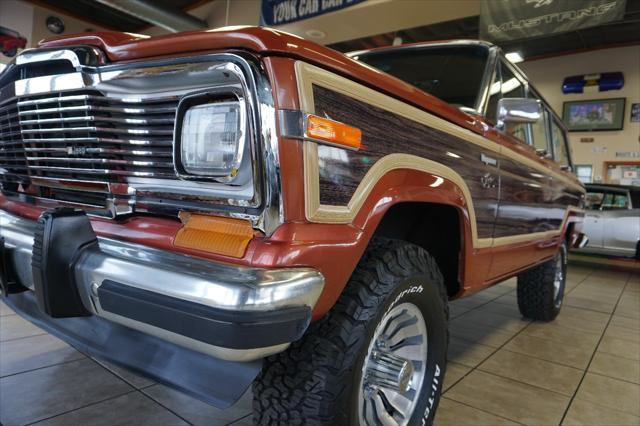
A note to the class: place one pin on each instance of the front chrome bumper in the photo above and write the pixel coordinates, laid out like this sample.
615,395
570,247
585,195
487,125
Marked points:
240,302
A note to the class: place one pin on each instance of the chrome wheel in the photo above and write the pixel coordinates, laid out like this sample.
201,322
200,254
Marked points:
558,281
394,368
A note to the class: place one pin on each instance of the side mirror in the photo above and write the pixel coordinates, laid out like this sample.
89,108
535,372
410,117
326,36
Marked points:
518,110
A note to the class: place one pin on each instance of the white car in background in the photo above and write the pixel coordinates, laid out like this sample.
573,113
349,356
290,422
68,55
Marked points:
612,220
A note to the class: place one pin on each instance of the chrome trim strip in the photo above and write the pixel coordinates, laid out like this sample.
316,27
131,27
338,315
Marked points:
222,286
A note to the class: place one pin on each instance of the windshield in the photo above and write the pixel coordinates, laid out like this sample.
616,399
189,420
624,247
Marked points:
452,73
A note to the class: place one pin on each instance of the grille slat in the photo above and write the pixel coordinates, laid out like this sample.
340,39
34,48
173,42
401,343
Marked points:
67,141
67,170
84,137
91,129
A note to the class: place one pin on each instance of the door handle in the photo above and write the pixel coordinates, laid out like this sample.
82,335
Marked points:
489,161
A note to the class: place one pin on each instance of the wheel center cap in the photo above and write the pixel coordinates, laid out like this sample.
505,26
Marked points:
390,371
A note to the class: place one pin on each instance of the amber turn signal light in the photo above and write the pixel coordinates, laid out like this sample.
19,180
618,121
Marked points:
221,235
333,132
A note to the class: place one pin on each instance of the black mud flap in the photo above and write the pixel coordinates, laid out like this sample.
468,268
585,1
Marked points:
60,237
214,381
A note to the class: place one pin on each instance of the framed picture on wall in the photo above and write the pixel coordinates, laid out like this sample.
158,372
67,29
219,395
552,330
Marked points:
595,114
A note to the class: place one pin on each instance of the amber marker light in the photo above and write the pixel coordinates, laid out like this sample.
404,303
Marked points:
214,234
333,132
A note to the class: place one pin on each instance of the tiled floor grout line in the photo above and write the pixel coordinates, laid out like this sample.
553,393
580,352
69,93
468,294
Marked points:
480,363
24,337
505,343
237,420
138,389
511,379
81,407
542,359
491,354
586,370
482,409
161,404
45,366
615,378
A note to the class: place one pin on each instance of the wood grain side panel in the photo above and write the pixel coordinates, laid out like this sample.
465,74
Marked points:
385,133
531,202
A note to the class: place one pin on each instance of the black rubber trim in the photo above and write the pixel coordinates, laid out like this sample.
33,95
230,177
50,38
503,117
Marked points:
214,326
217,382
60,237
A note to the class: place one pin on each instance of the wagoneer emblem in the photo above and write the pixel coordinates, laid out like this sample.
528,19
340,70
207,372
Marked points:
76,150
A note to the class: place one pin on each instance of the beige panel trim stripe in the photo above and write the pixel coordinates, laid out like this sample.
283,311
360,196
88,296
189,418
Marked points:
315,212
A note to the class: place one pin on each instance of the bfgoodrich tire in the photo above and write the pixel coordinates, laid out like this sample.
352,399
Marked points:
541,289
380,351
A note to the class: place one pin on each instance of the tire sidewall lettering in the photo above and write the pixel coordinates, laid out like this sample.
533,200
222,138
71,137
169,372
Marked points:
411,290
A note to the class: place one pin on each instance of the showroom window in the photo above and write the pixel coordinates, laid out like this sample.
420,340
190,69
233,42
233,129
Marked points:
584,173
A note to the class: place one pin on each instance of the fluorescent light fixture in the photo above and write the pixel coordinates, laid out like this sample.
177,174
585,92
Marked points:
514,57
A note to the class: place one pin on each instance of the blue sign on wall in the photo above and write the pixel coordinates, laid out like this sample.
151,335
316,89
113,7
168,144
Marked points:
278,12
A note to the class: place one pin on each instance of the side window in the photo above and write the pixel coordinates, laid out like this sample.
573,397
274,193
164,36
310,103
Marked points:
615,201
619,201
607,201
559,144
512,88
593,200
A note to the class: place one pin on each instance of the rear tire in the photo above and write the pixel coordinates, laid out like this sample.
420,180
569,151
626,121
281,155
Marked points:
541,289
327,377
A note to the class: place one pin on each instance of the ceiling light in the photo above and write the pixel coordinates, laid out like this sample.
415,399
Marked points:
315,33
514,57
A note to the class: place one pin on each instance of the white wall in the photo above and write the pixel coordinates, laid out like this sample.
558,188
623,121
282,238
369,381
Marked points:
547,76
18,16
29,21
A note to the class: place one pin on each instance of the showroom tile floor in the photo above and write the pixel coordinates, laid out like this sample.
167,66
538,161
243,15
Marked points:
582,369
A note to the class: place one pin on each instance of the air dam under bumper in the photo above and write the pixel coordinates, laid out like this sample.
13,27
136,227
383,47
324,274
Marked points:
162,304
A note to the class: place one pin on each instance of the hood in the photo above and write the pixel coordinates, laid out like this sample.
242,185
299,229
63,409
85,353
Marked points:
118,46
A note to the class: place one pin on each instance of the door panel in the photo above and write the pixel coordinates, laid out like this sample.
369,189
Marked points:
621,230
593,227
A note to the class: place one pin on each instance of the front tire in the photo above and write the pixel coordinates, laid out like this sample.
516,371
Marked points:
379,355
541,289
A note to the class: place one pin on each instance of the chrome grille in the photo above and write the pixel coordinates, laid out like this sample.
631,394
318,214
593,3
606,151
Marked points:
78,131
86,137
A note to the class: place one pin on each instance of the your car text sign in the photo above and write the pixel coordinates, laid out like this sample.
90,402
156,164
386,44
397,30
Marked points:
278,12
